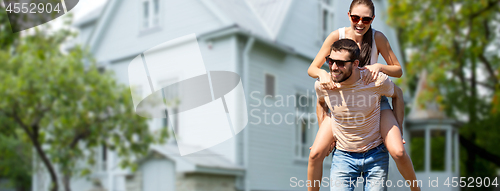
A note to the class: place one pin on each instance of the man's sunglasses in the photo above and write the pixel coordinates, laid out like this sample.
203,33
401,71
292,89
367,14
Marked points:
339,63
365,20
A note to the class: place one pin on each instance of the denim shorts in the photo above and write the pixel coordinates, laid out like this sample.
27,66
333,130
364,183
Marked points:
367,169
384,103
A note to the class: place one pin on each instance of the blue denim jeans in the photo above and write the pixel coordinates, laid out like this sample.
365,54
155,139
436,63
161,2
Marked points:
368,169
384,103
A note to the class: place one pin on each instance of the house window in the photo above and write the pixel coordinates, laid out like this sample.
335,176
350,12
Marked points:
270,85
150,14
305,131
326,17
171,98
174,122
417,149
438,146
101,158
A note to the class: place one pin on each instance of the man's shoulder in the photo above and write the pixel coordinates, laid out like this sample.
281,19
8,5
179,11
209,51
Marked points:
323,92
317,86
382,79
319,89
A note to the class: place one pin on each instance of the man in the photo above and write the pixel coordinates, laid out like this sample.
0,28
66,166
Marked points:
355,118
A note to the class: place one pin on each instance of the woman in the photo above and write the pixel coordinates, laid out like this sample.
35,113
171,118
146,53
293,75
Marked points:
371,43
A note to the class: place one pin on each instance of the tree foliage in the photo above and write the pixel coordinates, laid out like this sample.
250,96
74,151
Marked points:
457,43
16,161
64,106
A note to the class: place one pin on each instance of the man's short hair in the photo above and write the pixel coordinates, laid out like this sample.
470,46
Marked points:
348,45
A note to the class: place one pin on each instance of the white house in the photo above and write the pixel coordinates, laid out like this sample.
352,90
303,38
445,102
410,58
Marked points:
269,43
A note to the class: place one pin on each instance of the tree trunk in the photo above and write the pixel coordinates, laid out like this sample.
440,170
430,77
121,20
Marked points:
46,162
66,181
471,156
32,132
474,149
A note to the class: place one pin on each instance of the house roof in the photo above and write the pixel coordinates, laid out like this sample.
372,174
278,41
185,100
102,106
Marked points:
424,111
89,17
271,13
240,13
204,161
262,18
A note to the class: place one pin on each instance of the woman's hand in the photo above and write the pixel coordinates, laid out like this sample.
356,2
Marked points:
332,146
325,81
372,73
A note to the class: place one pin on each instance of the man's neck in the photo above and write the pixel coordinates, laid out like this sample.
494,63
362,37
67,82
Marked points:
353,78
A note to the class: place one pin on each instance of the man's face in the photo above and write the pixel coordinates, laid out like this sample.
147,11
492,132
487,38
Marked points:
340,73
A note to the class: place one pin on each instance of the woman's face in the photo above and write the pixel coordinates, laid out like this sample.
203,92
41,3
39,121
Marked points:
362,11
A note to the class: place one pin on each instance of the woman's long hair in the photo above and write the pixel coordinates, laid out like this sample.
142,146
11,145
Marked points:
366,46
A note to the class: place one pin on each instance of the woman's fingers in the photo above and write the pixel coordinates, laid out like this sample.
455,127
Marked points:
368,78
331,148
328,86
324,84
332,86
374,76
337,85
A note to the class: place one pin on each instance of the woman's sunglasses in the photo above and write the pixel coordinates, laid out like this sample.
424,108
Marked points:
339,63
365,20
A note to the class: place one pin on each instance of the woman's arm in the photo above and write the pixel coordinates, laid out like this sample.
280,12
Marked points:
315,70
393,68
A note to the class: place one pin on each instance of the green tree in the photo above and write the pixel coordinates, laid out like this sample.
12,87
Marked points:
16,160
457,43
64,106
15,150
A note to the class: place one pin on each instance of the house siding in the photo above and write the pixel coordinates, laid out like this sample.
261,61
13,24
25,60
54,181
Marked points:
271,146
218,55
271,159
205,182
124,36
300,29
158,174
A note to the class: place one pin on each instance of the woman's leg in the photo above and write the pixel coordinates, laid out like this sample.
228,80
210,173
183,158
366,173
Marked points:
319,151
392,138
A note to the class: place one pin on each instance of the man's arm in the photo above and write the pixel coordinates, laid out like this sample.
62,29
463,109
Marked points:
321,110
321,107
389,89
399,106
